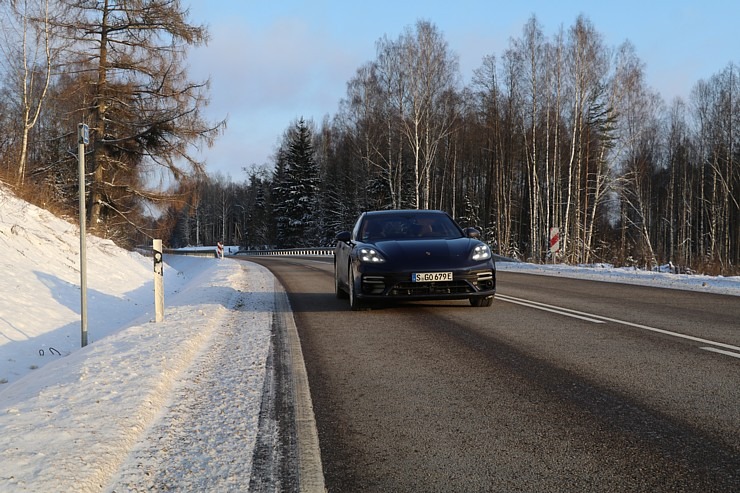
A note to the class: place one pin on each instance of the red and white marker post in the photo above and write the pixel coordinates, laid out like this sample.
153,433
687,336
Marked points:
554,241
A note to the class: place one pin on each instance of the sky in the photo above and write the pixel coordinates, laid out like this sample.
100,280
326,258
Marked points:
141,407
272,62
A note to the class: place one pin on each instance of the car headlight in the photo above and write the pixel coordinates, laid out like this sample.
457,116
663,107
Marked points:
370,256
481,252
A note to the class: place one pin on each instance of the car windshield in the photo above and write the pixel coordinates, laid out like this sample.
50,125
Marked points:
408,227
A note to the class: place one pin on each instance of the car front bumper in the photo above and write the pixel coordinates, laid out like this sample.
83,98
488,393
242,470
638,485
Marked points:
477,283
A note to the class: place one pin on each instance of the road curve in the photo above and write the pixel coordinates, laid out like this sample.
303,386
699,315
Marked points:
562,385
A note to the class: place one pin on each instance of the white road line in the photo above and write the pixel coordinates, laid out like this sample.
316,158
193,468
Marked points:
548,308
728,353
600,319
671,333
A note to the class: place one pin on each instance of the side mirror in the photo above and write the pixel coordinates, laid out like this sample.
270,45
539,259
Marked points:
472,233
343,236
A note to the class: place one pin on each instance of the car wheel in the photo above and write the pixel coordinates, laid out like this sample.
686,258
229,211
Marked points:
488,301
338,291
354,303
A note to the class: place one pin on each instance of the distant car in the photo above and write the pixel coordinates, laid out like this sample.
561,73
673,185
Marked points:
412,255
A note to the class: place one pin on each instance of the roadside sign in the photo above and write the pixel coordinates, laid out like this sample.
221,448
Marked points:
554,240
83,134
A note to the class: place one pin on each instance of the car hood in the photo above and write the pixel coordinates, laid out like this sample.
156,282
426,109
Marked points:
426,254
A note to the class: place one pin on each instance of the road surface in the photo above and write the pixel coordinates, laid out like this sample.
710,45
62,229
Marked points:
562,385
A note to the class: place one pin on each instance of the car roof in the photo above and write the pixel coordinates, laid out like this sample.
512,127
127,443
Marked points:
404,212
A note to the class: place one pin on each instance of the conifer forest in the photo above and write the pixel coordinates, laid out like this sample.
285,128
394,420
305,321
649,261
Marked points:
556,131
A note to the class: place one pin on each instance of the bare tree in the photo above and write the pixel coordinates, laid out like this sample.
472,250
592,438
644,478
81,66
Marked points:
498,190
366,114
30,51
716,107
393,86
587,65
426,73
531,52
553,135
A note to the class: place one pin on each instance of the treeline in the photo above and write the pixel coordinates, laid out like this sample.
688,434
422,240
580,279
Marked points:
558,132
117,67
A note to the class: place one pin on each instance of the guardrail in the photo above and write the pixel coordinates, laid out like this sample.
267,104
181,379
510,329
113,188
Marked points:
211,253
285,252
190,252
194,252
294,252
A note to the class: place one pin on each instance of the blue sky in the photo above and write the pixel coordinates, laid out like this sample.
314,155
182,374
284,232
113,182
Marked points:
273,61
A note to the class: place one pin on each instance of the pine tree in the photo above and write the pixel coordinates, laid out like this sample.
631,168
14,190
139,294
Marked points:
300,187
295,194
279,199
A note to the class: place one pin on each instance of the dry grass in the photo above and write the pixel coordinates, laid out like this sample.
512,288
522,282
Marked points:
716,268
36,194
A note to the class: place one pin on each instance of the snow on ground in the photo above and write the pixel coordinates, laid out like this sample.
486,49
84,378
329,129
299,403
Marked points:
184,393
628,275
106,416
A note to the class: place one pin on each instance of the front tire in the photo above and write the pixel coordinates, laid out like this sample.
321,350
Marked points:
354,303
338,291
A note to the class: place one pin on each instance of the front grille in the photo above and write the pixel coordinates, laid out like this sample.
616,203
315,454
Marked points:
473,282
429,288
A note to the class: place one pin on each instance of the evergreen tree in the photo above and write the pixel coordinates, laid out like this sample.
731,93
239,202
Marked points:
279,199
300,207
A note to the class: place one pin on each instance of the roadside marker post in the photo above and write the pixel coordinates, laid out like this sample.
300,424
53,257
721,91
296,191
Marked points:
158,281
554,244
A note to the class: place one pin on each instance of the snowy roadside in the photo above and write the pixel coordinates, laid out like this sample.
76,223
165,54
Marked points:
606,273
115,408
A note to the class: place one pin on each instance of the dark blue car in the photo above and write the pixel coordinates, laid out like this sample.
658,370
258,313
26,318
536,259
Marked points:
412,255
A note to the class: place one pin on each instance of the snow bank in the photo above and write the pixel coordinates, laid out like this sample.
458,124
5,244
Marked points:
70,426
70,416
626,275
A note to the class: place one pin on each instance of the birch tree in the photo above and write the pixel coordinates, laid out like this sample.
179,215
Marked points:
426,73
30,51
716,106
370,121
532,49
587,64
497,191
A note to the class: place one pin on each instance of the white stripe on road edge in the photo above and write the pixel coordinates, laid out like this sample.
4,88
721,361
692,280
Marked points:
599,319
549,308
720,351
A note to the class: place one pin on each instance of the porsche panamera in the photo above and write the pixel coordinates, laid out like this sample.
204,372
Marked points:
412,255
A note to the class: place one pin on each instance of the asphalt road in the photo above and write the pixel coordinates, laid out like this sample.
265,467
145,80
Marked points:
561,385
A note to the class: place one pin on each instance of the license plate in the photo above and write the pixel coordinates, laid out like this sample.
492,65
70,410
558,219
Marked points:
431,276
